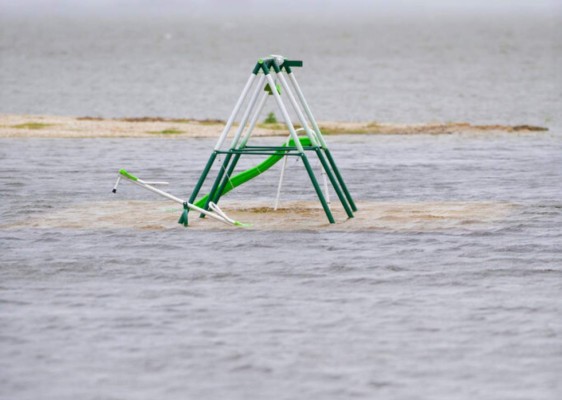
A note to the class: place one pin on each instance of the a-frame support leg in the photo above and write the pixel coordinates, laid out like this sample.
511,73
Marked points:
226,178
198,186
334,183
203,177
299,147
217,182
340,179
320,137
224,174
223,136
318,189
241,145
315,138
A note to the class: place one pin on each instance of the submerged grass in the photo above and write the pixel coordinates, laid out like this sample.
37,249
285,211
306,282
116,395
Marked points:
32,125
174,120
275,127
346,131
327,130
210,122
155,119
171,131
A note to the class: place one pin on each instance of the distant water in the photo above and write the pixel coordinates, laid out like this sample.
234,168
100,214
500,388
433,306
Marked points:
460,313
486,69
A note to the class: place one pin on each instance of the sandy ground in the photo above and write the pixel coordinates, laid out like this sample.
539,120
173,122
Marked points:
42,126
292,216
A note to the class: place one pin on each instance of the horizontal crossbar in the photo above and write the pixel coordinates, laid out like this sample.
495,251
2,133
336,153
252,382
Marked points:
260,152
280,148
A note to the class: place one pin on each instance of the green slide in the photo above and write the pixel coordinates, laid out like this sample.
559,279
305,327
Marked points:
251,173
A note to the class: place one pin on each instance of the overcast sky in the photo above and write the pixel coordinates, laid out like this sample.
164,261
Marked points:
101,7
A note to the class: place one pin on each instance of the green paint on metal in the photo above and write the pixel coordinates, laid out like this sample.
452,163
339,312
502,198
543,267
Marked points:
203,176
216,183
267,89
251,173
317,188
128,175
334,183
340,179
256,68
226,178
292,63
183,218
265,68
241,224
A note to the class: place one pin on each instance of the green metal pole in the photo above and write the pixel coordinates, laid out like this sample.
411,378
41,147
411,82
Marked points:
340,179
226,178
216,183
203,177
317,188
334,183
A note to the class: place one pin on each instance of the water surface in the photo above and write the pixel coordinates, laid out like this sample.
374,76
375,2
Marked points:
480,69
469,311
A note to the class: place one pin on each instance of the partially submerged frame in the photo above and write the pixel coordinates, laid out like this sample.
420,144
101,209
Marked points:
272,76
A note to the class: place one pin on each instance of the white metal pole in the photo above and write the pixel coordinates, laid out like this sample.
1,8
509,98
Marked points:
280,183
158,191
307,110
285,114
297,109
327,192
117,184
254,120
235,111
154,182
249,109
178,200
221,213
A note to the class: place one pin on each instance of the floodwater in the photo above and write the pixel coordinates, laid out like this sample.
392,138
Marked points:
452,289
466,308
412,69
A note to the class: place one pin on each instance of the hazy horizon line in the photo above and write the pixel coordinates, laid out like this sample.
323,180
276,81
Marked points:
310,8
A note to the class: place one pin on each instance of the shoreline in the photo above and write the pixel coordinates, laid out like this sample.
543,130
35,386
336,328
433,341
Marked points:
51,127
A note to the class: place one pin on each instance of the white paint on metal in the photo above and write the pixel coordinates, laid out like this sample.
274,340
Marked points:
307,110
285,114
250,107
276,204
193,207
296,107
235,111
253,121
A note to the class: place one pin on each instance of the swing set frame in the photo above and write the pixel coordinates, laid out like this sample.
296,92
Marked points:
272,76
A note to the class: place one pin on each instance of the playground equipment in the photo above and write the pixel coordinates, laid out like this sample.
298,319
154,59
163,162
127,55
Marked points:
264,86
216,213
267,79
